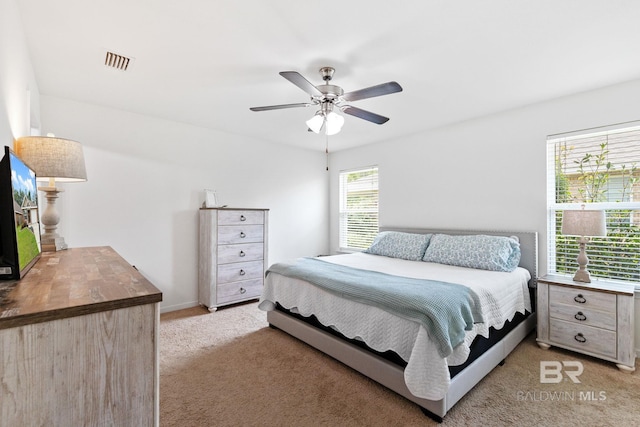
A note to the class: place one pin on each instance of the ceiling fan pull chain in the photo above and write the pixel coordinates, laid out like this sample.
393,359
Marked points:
326,149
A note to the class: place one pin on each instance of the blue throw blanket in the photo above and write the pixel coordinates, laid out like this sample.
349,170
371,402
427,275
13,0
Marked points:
446,310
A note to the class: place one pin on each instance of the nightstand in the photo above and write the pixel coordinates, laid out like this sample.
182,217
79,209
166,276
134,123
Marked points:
591,318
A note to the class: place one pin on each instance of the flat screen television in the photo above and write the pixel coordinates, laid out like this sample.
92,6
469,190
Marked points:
19,219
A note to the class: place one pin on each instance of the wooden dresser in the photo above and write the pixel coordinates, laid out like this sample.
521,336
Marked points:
79,343
232,255
594,318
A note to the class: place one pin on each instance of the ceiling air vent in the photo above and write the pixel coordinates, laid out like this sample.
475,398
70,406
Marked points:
119,62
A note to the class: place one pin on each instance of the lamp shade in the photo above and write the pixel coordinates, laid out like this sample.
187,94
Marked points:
584,223
51,157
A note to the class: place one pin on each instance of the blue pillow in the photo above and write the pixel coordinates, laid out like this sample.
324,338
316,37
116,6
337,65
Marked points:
494,253
395,244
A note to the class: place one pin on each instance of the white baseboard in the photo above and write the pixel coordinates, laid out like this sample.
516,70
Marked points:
168,308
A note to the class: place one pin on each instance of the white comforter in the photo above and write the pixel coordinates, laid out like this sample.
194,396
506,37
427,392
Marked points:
426,374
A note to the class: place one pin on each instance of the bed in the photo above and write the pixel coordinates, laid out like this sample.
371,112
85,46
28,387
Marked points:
432,365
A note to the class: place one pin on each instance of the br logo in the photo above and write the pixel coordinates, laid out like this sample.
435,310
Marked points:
551,371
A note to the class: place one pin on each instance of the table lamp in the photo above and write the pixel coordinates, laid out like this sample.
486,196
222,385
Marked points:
585,224
53,159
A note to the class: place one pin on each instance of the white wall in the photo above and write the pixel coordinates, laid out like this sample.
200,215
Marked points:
145,184
19,95
488,173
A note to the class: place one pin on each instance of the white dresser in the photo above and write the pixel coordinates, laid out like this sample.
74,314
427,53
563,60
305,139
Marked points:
232,255
594,318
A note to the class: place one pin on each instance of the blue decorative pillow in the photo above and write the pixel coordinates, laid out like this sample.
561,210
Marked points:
494,253
395,244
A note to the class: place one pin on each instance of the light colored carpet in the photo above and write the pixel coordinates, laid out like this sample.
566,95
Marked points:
229,368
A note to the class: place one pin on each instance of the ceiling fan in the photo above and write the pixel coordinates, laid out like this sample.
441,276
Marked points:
328,96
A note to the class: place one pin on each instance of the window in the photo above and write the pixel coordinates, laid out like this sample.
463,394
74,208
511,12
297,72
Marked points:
358,208
597,169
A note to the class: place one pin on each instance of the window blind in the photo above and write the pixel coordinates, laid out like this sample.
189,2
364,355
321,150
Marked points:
596,169
358,208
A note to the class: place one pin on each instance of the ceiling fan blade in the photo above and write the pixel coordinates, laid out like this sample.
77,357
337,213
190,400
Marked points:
297,79
364,114
281,107
370,92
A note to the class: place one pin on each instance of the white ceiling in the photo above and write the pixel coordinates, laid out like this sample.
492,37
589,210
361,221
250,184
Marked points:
205,62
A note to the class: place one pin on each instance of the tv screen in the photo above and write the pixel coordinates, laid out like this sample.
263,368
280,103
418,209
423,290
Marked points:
19,219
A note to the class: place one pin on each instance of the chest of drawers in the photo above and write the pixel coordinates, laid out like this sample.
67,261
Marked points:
594,318
232,255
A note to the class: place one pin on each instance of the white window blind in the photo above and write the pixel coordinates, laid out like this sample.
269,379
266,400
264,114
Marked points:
358,207
598,169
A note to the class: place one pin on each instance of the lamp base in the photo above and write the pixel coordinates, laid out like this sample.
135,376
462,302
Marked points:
57,244
582,276
51,241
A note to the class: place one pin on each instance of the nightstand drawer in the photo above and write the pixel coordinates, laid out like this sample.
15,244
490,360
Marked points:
238,291
582,298
240,253
240,271
583,315
584,338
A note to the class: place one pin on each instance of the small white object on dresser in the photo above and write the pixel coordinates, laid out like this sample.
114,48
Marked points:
594,318
232,255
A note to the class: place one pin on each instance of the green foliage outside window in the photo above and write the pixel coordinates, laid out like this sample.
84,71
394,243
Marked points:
618,254
359,221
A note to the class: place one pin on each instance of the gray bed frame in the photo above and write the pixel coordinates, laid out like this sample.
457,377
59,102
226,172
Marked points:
391,375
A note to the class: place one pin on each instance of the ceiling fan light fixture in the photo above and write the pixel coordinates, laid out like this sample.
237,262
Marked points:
334,123
331,122
315,123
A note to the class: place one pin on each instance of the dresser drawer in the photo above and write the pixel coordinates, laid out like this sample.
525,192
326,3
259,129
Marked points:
582,298
240,271
240,217
584,338
240,253
232,234
583,315
238,291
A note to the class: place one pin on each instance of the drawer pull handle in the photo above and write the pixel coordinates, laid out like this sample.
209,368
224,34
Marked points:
242,235
243,218
243,290
580,316
580,299
242,272
580,338
242,253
